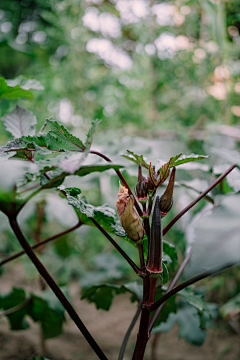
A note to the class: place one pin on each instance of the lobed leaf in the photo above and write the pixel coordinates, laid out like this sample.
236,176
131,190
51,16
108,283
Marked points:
25,83
20,122
102,295
138,159
9,92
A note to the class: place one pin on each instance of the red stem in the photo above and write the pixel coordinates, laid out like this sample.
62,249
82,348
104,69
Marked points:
126,257
194,202
55,288
14,256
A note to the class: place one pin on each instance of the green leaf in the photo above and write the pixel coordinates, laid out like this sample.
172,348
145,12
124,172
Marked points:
188,322
104,215
164,275
13,92
198,302
182,159
138,159
12,172
49,312
102,295
91,133
20,122
25,83
231,307
7,301
58,175
169,307
170,250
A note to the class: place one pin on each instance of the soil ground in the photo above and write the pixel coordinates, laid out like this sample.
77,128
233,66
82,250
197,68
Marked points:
108,329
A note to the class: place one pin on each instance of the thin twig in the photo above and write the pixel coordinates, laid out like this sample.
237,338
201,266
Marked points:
55,288
126,257
128,333
118,172
194,202
14,256
186,283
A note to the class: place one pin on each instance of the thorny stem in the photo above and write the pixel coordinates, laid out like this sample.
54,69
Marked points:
194,202
128,333
55,288
126,257
186,283
118,172
14,256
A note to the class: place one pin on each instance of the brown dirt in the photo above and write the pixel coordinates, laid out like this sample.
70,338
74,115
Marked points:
108,329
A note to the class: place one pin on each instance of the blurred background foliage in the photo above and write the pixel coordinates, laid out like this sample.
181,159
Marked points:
164,76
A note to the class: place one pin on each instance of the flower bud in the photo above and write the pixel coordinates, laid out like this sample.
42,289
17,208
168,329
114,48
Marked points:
129,219
166,200
141,187
154,266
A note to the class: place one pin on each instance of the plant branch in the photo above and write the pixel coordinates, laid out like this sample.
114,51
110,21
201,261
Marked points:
118,172
128,333
186,283
55,288
194,202
171,286
126,257
14,256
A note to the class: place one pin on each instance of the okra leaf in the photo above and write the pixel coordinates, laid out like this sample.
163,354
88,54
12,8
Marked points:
102,295
25,83
138,159
9,92
232,306
43,308
195,300
91,133
182,159
188,329
8,301
20,122
164,276
169,307
48,311
170,250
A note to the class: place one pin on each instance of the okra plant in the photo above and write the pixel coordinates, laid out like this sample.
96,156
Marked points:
32,163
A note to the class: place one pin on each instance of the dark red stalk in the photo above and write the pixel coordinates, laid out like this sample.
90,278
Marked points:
182,286
194,202
171,286
14,256
126,257
55,288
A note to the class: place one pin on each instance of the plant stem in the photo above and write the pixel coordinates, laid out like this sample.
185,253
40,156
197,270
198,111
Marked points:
141,256
194,202
55,288
143,334
118,172
186,283
128,333
171,286
126,257
14,256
